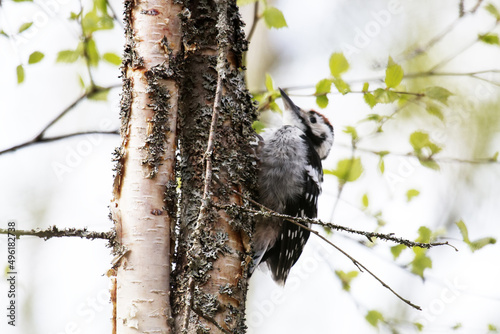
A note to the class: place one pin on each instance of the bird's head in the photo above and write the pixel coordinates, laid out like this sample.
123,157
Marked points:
314,125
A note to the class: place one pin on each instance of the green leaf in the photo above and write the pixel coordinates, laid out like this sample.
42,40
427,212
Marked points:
494,157
476,244
419,326
489,38
492,328
410,194
323,87
366,85
75,16
35,57
92,53
374,117
458,325
25,26
352,131
385,96
275,107
393,74
396,250
68,56
94,21
273,17
381,165
373,317
241,3
81,82
370,100
429,163
258,126
99,95
365,200
493,11
438,93
424,235
480,243
20,74
346,278
22,0
348,170
102,5
338,64
342,86
420,140
420,262
269,83
434,110
322,101
112,58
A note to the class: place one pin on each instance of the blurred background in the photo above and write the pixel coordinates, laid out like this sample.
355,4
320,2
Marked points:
62,286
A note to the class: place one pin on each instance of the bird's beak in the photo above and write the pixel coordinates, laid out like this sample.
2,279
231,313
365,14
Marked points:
289,105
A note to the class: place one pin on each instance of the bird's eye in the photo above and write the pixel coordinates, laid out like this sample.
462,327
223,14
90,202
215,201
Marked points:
312,119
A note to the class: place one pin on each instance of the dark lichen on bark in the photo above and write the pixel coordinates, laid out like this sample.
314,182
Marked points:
157,129
233,166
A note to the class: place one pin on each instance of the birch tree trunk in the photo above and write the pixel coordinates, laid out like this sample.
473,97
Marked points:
183,91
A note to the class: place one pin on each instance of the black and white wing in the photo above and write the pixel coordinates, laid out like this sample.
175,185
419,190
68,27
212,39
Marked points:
292,238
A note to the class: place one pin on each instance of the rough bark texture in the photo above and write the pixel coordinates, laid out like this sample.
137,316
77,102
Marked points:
143,206
176,53
210,276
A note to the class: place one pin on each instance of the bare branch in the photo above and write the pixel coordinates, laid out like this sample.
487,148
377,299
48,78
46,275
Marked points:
476,6
60,115
39,138
114,15
465,48
255,20
422,49
56,138
478,161
54,232
298,221
368,235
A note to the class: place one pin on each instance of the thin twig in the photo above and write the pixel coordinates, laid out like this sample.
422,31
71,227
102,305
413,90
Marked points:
359,265
461,9
61,114
54,232
113,14
465,48
412,155
422,49
39,138
476,7
368,235
255,20
380,79
56,138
